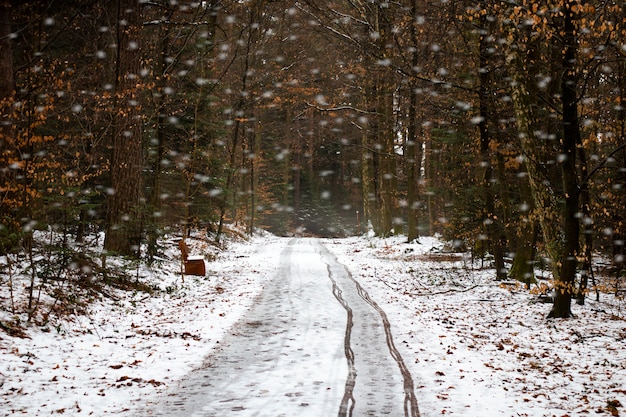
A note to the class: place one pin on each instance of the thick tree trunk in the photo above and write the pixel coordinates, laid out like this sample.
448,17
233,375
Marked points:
7,82
124,211
7,91
544,196
565,285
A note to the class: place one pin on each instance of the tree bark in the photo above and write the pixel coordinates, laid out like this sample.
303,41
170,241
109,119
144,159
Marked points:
388,163
7,82
413,150
255,148
367,180
386,129
160,121
565,285
252,32
124,210
491,219
544,195
7,92
522,268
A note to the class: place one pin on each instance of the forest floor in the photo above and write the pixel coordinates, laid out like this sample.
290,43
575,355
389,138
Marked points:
475,347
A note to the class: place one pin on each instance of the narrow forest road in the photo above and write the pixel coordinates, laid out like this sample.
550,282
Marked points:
314,344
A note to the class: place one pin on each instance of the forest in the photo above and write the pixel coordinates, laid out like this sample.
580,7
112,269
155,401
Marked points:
498,125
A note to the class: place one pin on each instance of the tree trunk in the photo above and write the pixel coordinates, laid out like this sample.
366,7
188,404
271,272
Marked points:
230,175
7,82
491,219
370,161
388,163
160,120
7,91
252,31
296,151
585,209
367,180
413,151
429,170
565,285
386,127
255,148
124,210
544,196
412,161
522,268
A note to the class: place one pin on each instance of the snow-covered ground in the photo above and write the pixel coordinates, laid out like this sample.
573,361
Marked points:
477,348
474,347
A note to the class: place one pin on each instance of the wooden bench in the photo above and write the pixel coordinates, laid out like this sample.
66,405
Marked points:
194,265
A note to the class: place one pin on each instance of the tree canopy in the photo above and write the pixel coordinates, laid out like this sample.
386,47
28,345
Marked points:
499,125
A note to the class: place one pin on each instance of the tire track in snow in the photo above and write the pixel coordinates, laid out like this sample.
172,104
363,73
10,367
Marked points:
410,402
347,406
347,402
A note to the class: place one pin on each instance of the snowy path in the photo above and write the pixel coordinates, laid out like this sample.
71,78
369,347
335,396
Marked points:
314,344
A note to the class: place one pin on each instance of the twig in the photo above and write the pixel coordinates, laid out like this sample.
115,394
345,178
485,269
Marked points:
386,284
453,290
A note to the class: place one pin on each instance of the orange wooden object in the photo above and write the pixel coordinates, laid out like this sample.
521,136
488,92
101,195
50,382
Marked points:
194,265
